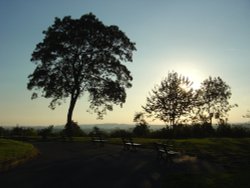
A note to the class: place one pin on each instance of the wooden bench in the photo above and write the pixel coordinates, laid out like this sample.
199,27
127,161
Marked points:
98,140
129,144
165,152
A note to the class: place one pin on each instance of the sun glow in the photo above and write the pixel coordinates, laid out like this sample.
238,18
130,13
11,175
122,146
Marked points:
193,77
188,69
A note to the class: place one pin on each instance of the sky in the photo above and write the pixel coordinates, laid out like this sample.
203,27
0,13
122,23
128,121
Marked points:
196,38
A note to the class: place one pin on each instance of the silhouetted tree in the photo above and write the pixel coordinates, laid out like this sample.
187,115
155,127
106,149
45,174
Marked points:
213,99
2,132
141,127
22,132
80,56
171,100
17,131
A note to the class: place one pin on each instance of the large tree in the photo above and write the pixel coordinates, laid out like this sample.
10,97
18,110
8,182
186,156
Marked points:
171,100
80,56
213,99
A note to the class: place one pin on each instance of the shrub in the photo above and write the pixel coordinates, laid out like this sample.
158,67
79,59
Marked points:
120,133
141,130
46,132
72,130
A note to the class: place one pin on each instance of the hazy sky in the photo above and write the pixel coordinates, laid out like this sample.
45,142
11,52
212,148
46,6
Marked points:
196,38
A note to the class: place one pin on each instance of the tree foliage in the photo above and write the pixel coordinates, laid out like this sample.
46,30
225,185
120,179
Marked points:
171,100
80,56
213,99
174,101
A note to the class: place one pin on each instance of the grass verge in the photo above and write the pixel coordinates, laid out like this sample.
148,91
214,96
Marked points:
227,163
13,153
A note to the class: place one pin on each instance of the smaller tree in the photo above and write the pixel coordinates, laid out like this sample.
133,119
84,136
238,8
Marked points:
141,128
171,100
213,100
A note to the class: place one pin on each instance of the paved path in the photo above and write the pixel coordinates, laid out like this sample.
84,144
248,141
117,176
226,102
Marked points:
63,164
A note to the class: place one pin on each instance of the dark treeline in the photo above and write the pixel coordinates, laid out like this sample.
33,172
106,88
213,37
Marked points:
19,132
178,131
192,131
201,131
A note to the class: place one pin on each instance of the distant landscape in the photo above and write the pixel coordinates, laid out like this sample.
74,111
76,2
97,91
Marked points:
108,126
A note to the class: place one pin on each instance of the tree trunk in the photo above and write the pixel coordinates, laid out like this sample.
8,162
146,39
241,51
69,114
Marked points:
71,109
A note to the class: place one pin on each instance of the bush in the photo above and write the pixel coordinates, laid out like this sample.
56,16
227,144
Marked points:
4,132
141,130
202,130
22,132
46,132
120,133
162,133
71,130
224,130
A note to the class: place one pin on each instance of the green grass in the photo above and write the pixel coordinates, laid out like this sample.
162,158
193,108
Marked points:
13,153
228,151
227,162
228,159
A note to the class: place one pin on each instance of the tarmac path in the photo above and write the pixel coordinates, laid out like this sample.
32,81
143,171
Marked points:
75,164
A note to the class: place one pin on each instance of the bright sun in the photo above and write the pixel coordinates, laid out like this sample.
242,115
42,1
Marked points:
194,76
190,71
